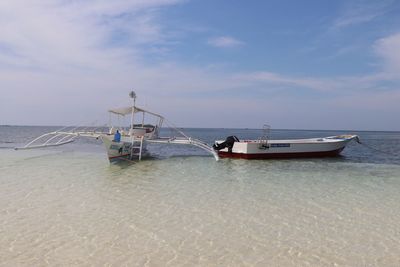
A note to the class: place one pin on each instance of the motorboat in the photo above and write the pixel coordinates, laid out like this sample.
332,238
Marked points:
122,143
265,148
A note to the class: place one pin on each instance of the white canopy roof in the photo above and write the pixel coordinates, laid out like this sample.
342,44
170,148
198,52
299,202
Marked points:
128,110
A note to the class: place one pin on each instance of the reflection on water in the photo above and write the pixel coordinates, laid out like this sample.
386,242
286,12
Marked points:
70,207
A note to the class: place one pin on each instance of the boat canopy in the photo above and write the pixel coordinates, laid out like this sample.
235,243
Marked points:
128,110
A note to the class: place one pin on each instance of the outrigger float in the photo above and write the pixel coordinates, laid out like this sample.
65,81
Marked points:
122,143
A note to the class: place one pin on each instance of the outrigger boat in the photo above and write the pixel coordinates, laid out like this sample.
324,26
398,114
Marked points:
122,143
265,148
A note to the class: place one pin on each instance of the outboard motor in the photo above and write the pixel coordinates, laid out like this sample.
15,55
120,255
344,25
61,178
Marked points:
229,141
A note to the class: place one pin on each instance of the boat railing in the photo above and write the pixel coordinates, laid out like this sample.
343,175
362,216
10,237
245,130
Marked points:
263,140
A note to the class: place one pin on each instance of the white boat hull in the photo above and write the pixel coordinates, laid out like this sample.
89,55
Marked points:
122,149
297,148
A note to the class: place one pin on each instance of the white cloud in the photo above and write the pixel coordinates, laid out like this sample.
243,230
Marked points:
66,54
225,41
83,34
65,62
388,49
361,11
338,85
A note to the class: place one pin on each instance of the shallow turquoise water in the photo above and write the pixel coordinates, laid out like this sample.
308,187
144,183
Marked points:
69,206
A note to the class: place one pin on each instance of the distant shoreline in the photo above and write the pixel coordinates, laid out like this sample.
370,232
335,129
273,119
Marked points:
225,128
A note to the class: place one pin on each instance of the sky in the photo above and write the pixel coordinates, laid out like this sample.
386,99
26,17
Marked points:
203,63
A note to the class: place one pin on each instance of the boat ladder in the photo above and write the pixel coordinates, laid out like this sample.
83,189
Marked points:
136,151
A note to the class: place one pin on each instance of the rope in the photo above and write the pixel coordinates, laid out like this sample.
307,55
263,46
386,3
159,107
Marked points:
373,148
173,127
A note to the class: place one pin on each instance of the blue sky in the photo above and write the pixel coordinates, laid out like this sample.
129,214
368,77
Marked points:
291,64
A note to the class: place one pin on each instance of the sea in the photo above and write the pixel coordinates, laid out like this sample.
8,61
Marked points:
68,206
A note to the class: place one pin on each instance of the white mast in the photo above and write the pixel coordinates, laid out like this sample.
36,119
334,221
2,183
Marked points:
133,96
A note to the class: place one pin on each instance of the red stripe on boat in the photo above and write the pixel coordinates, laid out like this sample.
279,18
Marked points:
332,153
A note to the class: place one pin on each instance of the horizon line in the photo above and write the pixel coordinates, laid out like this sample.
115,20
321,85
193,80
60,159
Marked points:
240,128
